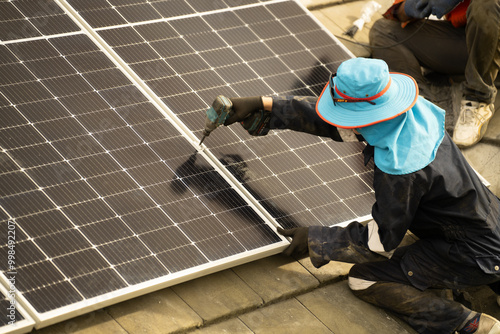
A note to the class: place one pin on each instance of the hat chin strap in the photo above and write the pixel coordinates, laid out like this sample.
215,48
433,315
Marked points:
370,98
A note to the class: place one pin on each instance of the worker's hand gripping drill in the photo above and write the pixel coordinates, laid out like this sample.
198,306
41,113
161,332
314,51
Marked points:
249,111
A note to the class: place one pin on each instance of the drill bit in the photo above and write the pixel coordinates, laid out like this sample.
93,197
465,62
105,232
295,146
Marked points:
202,139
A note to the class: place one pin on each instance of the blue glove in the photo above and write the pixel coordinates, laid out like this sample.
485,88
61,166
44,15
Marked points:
423,8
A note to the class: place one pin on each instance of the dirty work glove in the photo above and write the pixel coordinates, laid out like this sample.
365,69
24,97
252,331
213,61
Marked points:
423,8
249,111
299,247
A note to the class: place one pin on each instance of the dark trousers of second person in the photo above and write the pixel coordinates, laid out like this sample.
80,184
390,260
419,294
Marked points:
473,50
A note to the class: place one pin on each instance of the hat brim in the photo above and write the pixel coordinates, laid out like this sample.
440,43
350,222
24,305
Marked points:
403,92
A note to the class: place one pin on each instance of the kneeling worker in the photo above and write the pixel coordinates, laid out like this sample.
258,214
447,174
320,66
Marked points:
422,183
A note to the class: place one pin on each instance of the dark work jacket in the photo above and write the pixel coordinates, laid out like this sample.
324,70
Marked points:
445,202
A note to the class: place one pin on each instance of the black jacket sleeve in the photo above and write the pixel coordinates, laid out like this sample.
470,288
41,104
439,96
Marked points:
298,113
397,198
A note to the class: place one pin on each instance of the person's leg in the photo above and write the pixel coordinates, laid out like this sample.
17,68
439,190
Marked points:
386,284
437,46
479,91
422,310
496,289
483,43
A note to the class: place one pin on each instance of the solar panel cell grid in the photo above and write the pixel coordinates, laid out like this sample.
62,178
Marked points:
38,8
149,265
93,189
98,283
135,156
138,13
103,17
104,14
183,257
52,25
25,19
173,8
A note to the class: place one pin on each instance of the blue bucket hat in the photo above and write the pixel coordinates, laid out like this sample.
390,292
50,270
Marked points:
363,93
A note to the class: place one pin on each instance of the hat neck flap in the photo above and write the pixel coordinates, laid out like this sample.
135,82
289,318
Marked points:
409,142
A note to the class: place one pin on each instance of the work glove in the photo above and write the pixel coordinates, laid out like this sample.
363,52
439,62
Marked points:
422,8
249,111
299,247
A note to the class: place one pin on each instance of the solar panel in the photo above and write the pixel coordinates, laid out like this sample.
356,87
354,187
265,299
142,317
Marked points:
100,170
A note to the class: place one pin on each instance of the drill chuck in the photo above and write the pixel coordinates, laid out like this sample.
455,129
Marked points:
217,114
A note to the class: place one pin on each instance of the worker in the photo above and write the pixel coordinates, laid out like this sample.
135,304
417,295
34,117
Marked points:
422,184
466,43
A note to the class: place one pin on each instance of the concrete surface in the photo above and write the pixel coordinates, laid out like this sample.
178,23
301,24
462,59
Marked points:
159,312
335,306
218,296
276,278
277,294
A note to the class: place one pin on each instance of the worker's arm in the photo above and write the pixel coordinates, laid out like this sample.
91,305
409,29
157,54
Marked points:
397,199
296,113
324,244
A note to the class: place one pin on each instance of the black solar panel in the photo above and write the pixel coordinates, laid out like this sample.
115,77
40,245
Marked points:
96,174
99,166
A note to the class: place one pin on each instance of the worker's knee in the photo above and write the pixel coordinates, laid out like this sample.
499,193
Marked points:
357,281
381,31
483,10
357,284
483,21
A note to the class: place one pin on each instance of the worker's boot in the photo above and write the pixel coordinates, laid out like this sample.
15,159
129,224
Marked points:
472,122
481,324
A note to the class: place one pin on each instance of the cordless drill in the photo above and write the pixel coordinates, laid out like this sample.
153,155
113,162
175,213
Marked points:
221,109
254,118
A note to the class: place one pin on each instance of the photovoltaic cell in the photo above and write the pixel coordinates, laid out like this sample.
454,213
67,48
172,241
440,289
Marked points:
24,18
106,193
110,13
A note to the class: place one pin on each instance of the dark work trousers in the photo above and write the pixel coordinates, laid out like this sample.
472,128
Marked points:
473,51
405,291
